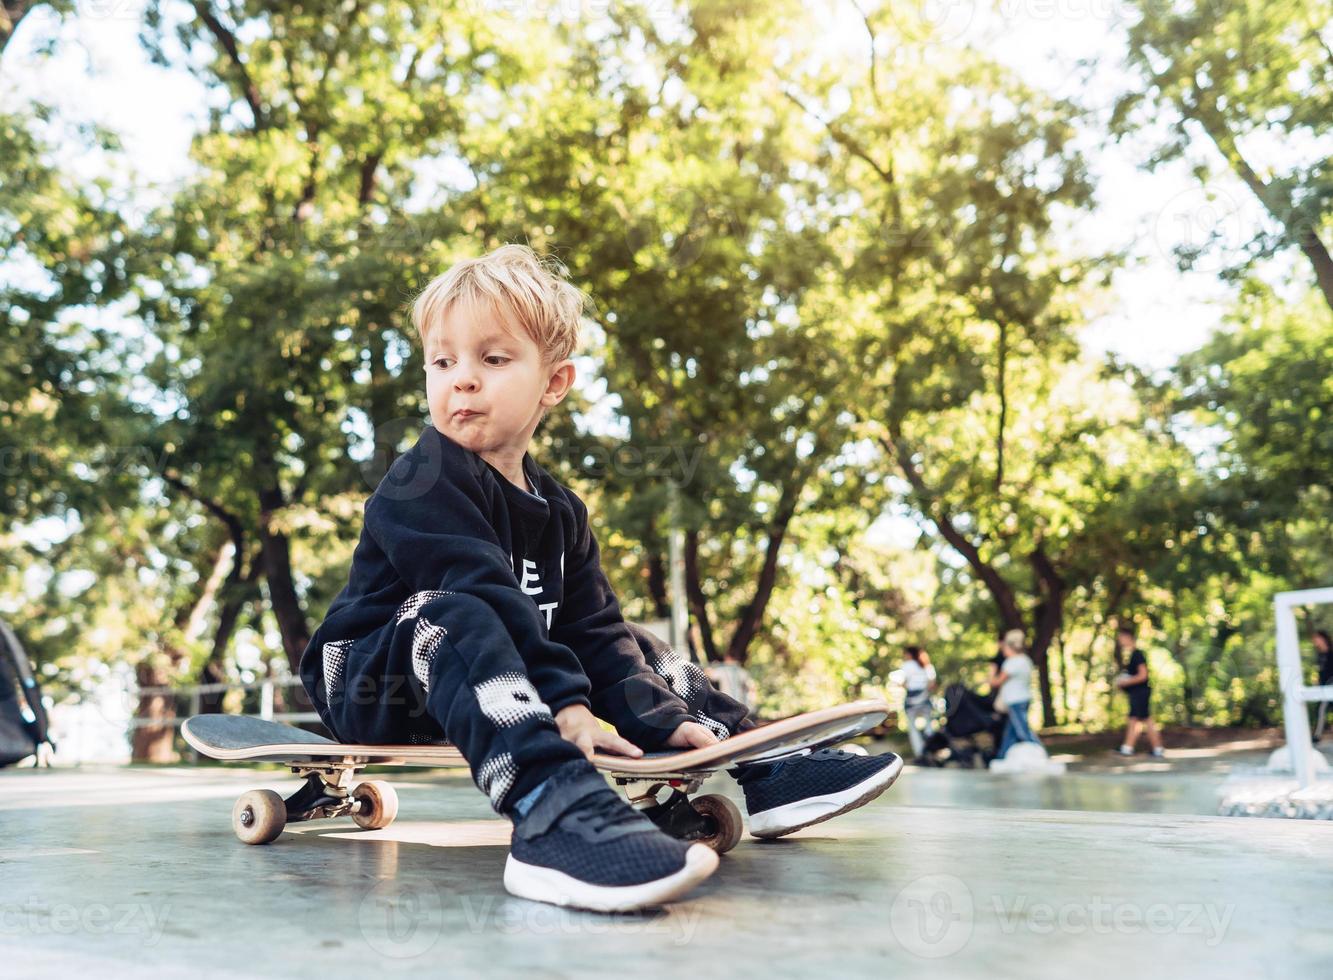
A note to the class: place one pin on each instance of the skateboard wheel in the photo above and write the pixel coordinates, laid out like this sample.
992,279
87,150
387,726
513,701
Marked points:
726,816
376,804
259,816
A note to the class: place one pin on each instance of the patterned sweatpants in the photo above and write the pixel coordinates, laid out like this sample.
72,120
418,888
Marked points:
409,683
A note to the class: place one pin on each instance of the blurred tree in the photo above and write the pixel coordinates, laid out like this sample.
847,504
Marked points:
318,207
955,176
1267,381
1255,78
76,517
836,289
667,171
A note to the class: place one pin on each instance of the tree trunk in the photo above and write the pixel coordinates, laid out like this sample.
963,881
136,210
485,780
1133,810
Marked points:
753,615
1003,391
698,602
154,742
1082,715
1063,660
1049,621
238,593
1179,655
1002,594
210,702
657,590
1178,648
282,596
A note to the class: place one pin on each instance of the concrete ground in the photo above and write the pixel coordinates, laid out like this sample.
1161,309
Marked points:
135,873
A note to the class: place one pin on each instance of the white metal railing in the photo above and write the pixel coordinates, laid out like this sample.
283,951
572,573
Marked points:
195,692
1295,692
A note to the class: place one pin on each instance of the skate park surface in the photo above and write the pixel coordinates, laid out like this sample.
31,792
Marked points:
1109,870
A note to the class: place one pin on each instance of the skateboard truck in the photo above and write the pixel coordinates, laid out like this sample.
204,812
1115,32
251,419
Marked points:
319,796
260,815
712,819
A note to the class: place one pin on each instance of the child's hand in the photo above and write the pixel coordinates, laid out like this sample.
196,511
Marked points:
691,735
578,725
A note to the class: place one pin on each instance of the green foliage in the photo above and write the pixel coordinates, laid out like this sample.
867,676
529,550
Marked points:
1247,76
837,323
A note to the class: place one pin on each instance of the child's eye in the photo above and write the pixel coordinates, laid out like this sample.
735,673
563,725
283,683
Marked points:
444,362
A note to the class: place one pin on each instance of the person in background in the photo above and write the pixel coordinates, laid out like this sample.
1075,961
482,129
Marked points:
918,683
993,676
1000,713
1015,685
1134,682
1323,648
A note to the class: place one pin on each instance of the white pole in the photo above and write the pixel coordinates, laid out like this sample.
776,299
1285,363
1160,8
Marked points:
1295,695
680,615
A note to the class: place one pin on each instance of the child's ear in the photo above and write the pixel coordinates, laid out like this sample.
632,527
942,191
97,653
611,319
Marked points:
562,379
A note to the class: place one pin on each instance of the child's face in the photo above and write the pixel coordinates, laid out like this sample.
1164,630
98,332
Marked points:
477,361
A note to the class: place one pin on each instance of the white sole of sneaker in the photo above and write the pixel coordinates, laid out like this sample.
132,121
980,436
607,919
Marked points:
557,888
793,816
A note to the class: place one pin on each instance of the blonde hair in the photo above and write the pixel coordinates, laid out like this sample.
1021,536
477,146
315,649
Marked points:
529,289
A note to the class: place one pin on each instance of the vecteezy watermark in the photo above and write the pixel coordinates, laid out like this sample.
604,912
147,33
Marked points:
84,462
1100,11
675,463
112,9
1103,917
35,917
932,917
570,10
402,921
942,20
1203,229
949,20
935,916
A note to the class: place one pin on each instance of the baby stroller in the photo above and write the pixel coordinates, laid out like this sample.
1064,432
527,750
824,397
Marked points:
971,731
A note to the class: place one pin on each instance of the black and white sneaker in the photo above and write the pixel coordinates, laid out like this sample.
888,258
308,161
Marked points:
785,796
582,846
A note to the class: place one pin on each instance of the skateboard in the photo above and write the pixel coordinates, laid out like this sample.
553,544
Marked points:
661,785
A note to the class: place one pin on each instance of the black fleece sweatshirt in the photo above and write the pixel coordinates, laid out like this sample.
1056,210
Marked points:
444,519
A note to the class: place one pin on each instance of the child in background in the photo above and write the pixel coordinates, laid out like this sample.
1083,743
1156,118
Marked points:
1134,682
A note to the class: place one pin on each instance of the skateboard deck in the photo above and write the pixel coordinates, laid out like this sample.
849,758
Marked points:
330,766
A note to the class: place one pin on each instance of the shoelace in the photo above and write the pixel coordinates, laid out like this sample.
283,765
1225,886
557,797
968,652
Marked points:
604,811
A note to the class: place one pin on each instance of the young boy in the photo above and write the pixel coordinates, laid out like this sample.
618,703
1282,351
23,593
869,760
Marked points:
477,612
1134,682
